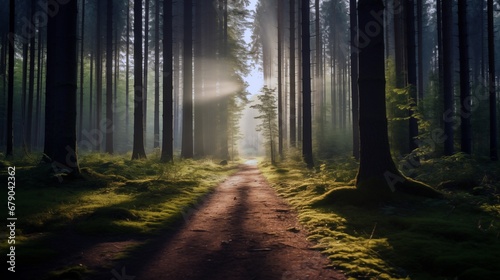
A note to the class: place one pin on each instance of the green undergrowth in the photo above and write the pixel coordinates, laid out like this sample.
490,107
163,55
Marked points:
407,237
113,197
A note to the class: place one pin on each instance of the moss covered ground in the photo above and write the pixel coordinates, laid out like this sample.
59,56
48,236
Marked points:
457,237
113,197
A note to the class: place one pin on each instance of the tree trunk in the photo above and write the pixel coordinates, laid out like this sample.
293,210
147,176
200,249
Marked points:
91,88
465,102
167,149
177,105
10,90
116,75
399,129
4,41
306,87
333,84
38,111
491,85
412,73
82,69
354,79
146,63
138,146
377,175
375,157
198,81
300,74
127,76
109,127
420,47
98,78
293,118
31,88
187,102
440,56
210,80
24,91
224,114
280,80
156,122
271,141
60,108
447,37
318,85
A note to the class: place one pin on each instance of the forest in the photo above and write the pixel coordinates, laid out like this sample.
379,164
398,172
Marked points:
250,139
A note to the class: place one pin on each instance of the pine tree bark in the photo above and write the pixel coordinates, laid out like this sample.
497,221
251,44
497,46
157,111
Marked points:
24,86
167,149
109,127
411,72
420,47
187,102
156,121
146,65
293,117
198,80
377,176
300,75
447,53
177,94
38,108
375,157
116,74
4,40
224,113
98,77
318,75
399,129
61,90
82,69
31,88
91,90
127,73
210,81
10,84
280,79
306,87
465,105
138,146
491,85
354,78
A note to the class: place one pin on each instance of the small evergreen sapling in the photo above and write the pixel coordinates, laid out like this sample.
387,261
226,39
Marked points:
268,115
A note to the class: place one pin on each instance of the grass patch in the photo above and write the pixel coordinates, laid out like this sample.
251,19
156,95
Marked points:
69,273
406,238
113,197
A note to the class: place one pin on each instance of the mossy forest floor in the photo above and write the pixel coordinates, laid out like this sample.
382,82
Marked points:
457,237
119,210
113,209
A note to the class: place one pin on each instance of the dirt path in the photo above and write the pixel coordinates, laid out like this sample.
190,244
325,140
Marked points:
243,231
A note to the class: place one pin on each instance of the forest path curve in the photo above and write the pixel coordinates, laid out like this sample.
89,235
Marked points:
242,231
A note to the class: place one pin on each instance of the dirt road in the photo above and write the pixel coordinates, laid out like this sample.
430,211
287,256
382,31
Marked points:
242,231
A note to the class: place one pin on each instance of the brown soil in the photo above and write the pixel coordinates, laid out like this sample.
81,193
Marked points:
242,231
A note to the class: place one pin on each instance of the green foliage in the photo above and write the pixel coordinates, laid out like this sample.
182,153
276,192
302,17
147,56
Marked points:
267,115
431,120
397,100
406,238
